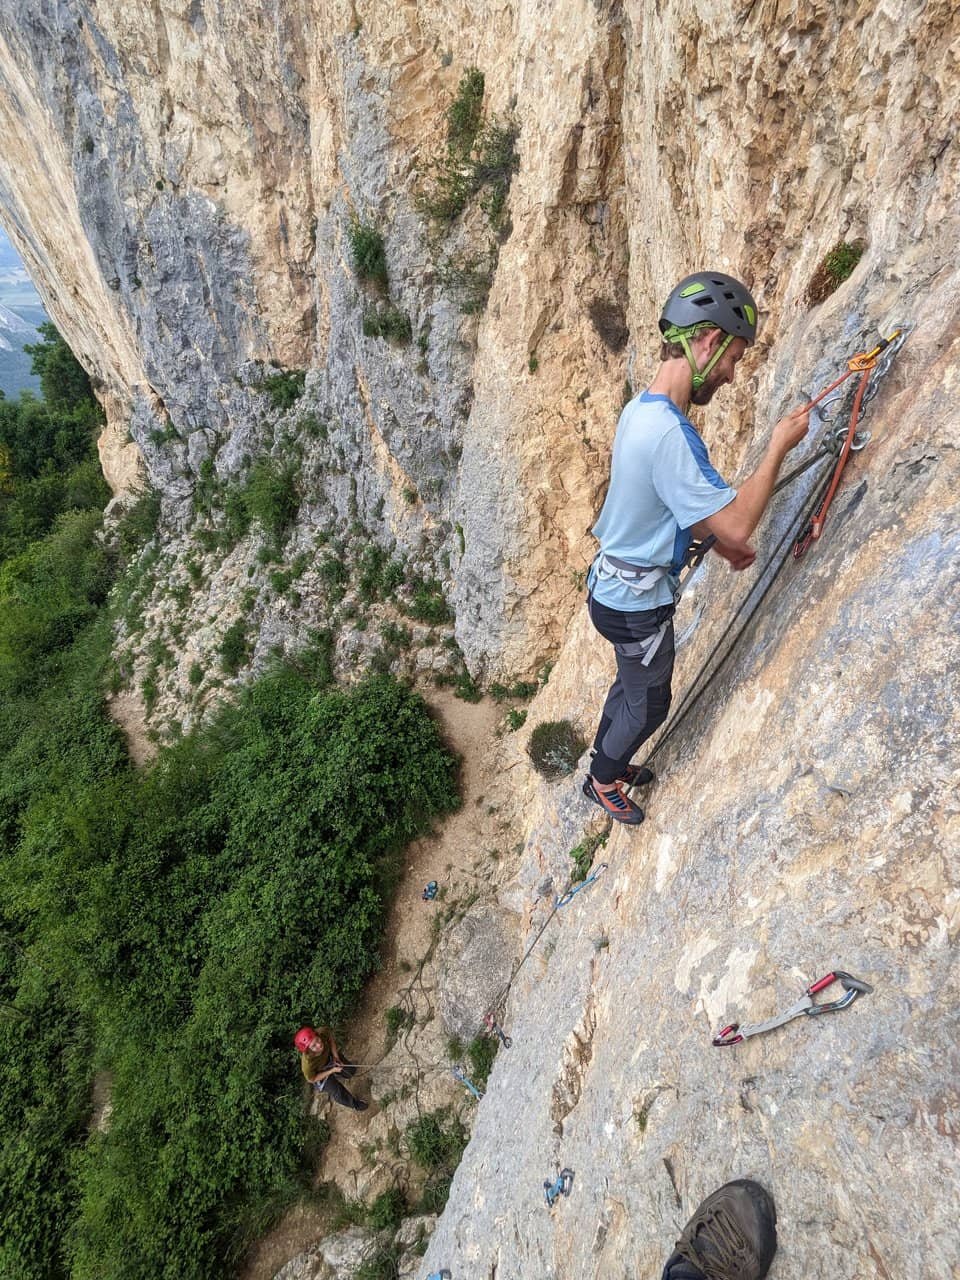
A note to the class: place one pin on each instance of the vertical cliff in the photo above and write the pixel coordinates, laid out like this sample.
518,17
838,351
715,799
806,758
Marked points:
181,177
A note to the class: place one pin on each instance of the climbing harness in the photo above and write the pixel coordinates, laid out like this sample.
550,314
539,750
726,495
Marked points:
852,987
495,1029
584,884
458,1073
641,578
560,1187
864,363
430,892
702,681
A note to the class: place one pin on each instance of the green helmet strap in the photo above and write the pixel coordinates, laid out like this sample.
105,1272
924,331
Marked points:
683,336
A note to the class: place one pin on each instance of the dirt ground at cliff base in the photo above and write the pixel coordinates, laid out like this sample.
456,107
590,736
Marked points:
446,856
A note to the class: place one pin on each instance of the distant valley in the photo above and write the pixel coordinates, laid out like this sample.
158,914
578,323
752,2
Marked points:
20,313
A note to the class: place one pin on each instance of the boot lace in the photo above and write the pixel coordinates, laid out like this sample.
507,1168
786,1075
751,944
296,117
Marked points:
719,1247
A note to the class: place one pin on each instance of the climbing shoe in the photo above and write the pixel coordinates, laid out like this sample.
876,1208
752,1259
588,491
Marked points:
637,775
613,802
634,775
732,1236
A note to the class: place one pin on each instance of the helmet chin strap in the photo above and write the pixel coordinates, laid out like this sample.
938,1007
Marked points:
700,375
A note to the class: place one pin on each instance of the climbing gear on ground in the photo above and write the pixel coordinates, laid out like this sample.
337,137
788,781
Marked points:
430,892
731,1236
496,1030
852,987
708,300
304,1038
440,1275
584,884
637,775
559,1187
460,1075
613,801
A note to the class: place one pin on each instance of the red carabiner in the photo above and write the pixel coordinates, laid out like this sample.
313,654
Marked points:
721,1041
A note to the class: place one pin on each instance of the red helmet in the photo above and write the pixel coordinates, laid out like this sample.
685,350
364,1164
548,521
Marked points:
304,1038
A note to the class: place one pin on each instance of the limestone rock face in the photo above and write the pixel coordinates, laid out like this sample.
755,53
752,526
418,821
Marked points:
180,176
474,960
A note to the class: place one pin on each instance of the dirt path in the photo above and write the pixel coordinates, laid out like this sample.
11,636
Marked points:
126,709
362,1156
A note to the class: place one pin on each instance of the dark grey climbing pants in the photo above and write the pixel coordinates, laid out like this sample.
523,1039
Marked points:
335,1090
639,698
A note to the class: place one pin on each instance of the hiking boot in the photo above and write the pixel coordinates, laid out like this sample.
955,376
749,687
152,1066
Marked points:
732,1236
637,775
613,802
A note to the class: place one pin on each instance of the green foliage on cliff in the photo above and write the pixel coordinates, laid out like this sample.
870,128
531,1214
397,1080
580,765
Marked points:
480,156
48,462
369,253
167,930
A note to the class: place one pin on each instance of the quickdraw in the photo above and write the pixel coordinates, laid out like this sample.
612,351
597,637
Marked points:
871,370
804,1007
430,891
495,1029
459,1074
440,1275
559,1187
584,884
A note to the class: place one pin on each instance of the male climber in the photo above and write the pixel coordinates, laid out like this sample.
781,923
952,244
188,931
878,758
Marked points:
664,493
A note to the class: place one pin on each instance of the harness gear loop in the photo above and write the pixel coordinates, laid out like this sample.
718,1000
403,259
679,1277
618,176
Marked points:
852,987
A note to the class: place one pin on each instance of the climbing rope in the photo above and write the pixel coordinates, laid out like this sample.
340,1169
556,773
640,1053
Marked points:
872,370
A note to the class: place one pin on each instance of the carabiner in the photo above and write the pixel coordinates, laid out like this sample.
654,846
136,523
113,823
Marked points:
728,1036
865,360
852,987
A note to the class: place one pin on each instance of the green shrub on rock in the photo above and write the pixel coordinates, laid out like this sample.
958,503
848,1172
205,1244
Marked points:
555,746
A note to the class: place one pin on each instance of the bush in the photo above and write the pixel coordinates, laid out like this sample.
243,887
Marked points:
388,1210
583,854
397,1019
469,277
368,253
555,747
234,647
835,267
427,603
465,113
516,718
270,497
284,388
519,689
389,322
480,155
436,1143
481,1051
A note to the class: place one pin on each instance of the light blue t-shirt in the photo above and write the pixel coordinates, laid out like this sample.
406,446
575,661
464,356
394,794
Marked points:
661,483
